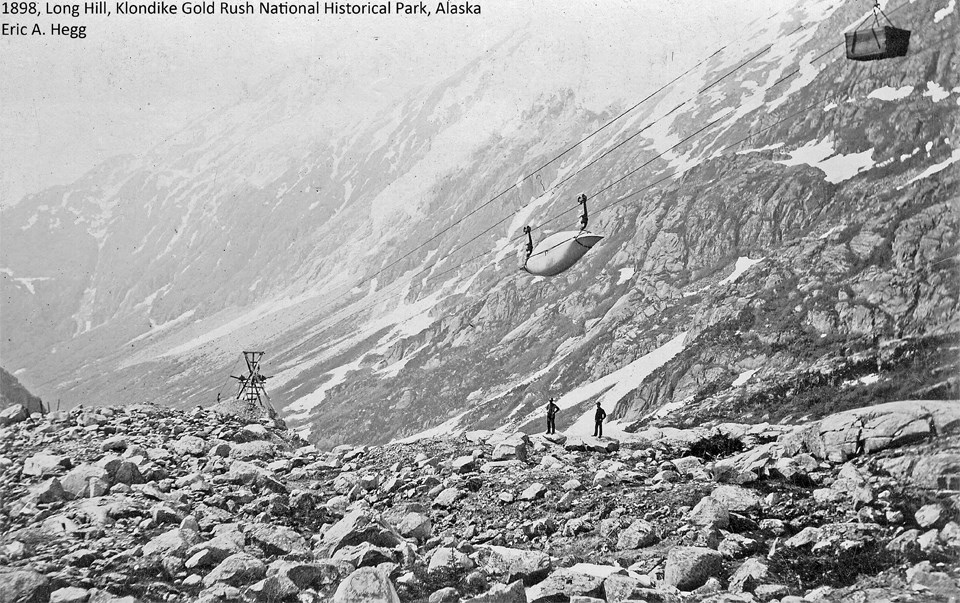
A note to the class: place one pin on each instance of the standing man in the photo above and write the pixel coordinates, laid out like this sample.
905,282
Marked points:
598,421
552,410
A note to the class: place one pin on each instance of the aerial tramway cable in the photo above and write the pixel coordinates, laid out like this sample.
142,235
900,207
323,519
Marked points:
565,151
629,195
427,269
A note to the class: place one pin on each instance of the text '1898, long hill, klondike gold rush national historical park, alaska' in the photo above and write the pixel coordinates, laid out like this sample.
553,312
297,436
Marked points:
30,19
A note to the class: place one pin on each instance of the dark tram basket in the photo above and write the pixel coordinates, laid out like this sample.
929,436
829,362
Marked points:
877,43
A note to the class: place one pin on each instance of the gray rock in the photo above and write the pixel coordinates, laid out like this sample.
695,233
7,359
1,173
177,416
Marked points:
174,542
13,414
86,480
444,595
364,555
189,445
18,585
510,450
278,540
929,516
415,525
736,498
533,491
46,492
70,594
566,582
709,512
502,593
618,588
864,430
751,573
687,464
257,449
301,575
447,497
358,526
639,534
117,443
517,564
366,585
450,559
45,464
236,570
769,592
688,567
463,464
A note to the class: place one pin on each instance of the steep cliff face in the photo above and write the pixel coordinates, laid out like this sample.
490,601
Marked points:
13,392
776,221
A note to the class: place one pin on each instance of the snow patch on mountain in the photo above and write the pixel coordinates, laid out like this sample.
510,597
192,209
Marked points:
159,328
769,147
300,409
626,274
743,264
937,167
613,387
935,92
835,167
743,377
944,12
889,93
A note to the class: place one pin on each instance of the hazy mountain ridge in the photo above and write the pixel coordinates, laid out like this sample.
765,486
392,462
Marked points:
250,207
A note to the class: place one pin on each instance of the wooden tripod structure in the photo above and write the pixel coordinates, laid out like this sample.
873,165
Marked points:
253,385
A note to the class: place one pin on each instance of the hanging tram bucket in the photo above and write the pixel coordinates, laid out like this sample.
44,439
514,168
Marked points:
877,43
559,251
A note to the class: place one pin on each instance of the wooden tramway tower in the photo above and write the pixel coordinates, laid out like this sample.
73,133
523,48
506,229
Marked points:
252,388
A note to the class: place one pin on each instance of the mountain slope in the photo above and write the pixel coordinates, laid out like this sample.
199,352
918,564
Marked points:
258,228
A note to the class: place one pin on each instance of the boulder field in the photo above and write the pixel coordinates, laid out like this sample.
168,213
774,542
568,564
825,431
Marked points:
146,503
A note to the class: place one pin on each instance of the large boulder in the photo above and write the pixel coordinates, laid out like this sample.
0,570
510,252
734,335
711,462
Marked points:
448,558
175,542
517,564
360,525
864,430
710,513
639,534
86,480
689,567
736,498
513,448
415,525
13,414
257,449
278,540
45,464
19,585
748,576
566,582
236,570
502,593
366,585
189,445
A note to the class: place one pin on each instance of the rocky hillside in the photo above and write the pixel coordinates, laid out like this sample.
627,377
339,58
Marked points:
781,234
144,503
13,393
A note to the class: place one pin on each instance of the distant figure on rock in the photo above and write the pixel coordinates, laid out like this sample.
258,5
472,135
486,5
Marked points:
598,421
552,410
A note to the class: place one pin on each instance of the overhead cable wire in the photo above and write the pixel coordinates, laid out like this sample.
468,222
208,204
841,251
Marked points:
563,153
596,211
567,150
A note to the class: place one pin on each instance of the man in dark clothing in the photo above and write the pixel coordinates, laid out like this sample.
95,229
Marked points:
552,416
598,419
